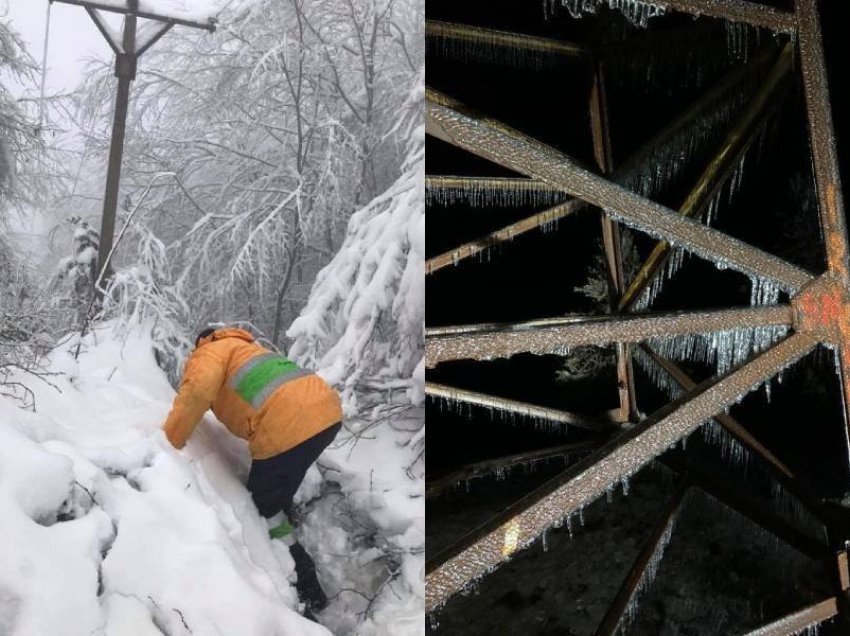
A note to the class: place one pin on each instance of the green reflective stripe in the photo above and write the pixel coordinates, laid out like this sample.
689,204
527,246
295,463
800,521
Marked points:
261,374
249,366
275,384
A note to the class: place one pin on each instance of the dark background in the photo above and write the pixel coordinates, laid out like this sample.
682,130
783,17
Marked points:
536,275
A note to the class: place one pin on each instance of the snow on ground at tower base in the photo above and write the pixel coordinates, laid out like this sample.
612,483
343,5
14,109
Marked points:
106,529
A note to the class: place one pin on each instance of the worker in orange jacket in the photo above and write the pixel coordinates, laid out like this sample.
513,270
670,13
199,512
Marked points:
287,414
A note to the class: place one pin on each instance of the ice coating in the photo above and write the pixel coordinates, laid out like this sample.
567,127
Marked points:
468,43
806,621
481,192
506,406
508,148
732,344
482,551
637,11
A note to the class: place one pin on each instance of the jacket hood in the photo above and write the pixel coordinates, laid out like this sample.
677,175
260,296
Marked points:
227,332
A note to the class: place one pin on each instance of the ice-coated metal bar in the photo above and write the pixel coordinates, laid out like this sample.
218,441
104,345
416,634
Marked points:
777,467
520,524
736,142
448,120
654,544
490,466
507,233
826,171
611,240
734,498
557,335
736,11
515,407
511,186
797,622
492,37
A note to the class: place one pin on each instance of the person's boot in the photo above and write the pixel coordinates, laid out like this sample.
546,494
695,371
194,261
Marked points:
307,585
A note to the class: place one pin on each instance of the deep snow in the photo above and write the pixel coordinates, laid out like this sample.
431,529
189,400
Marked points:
106,529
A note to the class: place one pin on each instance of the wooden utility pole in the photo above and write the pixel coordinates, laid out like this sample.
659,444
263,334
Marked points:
127,53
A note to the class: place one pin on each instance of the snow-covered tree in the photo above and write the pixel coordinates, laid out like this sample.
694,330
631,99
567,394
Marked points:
363,324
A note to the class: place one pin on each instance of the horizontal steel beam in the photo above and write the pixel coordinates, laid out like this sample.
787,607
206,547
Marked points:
508,39
490,466
520,524
450,121
512,189
797,622
654,546
515,407
507,233
557,335
736,11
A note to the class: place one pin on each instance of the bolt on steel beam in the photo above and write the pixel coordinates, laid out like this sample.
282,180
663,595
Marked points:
741,135
556,335
827,177
516,407
650,553
799,621
519,525
751,13
490,466
449,120
507,39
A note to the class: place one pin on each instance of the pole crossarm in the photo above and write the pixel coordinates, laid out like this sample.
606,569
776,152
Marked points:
450,121
751,13
127,54
516,407
520,524
799,621
127,10
492,37
554,335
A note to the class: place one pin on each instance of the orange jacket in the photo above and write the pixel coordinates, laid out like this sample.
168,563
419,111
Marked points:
258,395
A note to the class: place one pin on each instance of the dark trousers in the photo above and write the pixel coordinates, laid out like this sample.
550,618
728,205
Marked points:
274,481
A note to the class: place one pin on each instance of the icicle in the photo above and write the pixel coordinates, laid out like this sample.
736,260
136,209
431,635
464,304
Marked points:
724,349
484,193
544,540
763,292
737,41
731,450
648,575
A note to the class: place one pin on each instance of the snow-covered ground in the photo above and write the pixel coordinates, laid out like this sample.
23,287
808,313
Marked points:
106,529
